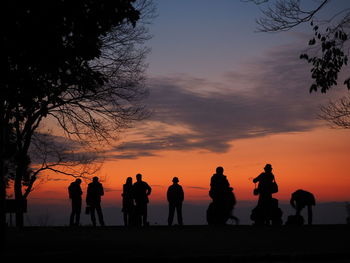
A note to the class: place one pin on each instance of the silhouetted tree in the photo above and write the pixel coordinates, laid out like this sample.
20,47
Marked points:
330,42
80,62
337,113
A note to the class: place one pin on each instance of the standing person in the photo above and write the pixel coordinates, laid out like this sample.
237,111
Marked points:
265,191
300,199
141,190
128,202
93,199
175,197
75,193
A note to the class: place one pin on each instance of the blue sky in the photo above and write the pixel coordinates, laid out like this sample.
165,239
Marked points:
207,55
206,38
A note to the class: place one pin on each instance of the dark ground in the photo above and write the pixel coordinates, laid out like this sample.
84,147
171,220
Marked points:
318,243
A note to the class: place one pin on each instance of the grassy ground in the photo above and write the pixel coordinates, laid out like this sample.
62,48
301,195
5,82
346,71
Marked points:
318,243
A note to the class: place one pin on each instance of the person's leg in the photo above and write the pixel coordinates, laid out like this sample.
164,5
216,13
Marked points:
309,214
78,211
92,213
138,214
171,214
125,217
145,222
71,218
100,214
179,214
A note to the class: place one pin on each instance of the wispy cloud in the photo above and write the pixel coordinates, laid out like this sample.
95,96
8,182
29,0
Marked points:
266,96
196,187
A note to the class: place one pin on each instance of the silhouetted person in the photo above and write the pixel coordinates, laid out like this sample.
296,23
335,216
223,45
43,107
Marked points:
128,202
141,190
265,191
93,199
301,199
220,210
219,186
75,194
175,196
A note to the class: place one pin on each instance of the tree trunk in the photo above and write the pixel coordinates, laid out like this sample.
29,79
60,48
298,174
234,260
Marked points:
2,201
2,181
20,171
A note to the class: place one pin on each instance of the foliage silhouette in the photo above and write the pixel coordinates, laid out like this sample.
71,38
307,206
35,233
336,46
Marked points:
53,63
331,36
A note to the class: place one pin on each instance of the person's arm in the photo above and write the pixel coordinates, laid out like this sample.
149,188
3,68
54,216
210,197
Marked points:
292,201
168,194
256,179
102,191
149,189
182,194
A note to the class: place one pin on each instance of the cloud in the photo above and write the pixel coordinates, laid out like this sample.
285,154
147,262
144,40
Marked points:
267,96
57,179
197,187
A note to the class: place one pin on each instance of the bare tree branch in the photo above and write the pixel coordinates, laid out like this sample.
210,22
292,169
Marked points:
337,113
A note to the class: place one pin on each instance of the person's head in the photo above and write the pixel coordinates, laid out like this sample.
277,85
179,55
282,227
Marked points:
175,180
129,180
139,177
78,181
219,170
95,179
268,168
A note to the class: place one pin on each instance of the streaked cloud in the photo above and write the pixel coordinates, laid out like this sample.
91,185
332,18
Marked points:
265,96
269,95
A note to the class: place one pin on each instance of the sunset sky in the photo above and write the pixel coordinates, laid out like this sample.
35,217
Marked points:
222,94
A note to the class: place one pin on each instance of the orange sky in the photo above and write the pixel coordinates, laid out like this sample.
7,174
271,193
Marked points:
316,160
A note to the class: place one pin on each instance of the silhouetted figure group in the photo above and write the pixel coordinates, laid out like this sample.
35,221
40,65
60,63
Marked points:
93,201
267,211
135,201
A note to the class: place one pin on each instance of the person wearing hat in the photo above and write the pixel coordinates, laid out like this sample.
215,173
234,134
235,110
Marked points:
175,196
265,191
